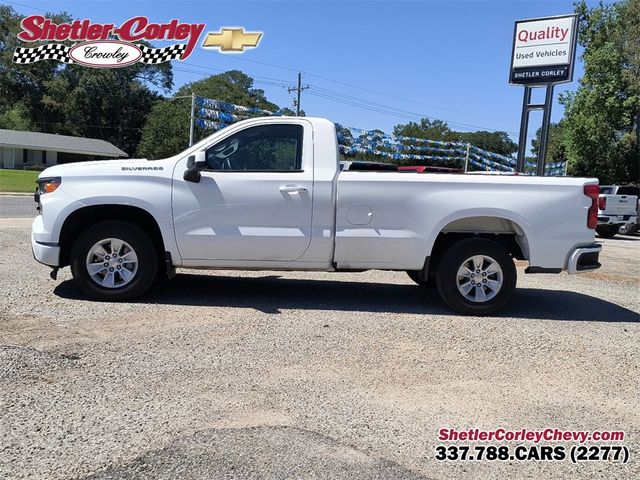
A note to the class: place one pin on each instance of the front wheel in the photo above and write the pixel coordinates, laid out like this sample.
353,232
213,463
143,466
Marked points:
476,277
114,261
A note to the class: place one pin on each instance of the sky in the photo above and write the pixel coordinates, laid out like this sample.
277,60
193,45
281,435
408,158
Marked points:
402,60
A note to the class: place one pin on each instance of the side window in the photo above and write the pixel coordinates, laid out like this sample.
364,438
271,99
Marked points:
265,148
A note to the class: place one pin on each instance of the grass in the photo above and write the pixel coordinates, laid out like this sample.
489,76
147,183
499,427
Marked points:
18,180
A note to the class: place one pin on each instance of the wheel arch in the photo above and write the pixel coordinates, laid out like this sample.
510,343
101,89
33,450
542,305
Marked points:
500,226
84,217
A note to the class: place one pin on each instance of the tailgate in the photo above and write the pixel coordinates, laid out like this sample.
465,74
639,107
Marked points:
620,204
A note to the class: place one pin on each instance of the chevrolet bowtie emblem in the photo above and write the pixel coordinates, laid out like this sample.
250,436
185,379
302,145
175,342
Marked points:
232,39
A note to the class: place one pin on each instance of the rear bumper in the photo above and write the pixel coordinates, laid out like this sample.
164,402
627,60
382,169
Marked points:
584,259
49,254
616,219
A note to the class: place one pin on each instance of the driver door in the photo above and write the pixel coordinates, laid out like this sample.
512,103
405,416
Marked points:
254,199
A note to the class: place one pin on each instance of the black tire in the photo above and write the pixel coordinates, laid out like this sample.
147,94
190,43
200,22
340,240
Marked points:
429,283
607,231
145,250
453,259
628,229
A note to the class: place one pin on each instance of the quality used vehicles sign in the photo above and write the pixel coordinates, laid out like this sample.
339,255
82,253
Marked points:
110,45
543,50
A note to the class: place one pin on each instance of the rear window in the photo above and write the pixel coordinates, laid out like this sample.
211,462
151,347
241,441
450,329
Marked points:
628,190
606,190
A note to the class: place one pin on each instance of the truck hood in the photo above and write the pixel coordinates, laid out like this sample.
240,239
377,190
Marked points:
109,167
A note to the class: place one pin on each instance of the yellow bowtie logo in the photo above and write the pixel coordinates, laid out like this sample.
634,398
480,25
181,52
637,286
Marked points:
232,39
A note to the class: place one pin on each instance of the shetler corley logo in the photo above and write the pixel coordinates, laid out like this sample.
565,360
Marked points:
107,45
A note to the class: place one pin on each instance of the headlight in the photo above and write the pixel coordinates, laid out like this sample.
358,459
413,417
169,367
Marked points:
48,185
45,185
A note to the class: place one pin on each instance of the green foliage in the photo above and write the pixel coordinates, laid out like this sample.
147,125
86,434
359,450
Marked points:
556,151
166,131
430,129
18,180
47,96
496,142
110,104
16,117
600,128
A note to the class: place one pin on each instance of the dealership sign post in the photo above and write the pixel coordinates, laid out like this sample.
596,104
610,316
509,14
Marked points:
543,54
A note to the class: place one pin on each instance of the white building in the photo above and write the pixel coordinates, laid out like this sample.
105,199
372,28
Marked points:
19,149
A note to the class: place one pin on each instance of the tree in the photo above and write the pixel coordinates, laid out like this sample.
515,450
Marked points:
601,124
23,86
556,151
430,129
111,104
166,131
51,97
496,142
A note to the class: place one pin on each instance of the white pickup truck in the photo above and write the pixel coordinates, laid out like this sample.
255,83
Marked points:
617,207
268,193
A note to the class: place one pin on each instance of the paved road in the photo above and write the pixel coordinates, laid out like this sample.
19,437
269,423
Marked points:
17,206
306,375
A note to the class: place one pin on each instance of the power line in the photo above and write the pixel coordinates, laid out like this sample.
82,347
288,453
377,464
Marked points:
387,107
26,6
206,67
90,126
345,99
357,102
361,88
364,107
206,74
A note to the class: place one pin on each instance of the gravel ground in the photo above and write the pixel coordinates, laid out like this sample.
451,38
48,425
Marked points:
306,375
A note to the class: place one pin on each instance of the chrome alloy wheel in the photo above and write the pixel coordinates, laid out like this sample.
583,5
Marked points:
112,263
479,278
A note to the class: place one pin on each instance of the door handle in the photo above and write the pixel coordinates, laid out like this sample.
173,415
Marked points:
292,189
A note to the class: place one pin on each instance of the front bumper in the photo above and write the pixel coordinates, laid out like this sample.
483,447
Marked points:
44,251
584,259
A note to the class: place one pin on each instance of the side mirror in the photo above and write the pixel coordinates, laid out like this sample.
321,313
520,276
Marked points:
195,163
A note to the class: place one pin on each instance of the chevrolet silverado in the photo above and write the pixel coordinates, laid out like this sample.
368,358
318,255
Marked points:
269,193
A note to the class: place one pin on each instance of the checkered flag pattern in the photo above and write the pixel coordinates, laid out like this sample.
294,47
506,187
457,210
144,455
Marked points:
60,52
51,51
160,55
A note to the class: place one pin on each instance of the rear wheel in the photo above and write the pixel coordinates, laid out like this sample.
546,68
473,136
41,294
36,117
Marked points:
476,277
628,229
114,261
607,231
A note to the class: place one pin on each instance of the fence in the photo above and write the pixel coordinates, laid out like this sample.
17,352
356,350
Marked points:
215,114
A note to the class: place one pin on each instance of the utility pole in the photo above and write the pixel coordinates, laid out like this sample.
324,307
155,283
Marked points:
466,160
299,90
193,107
